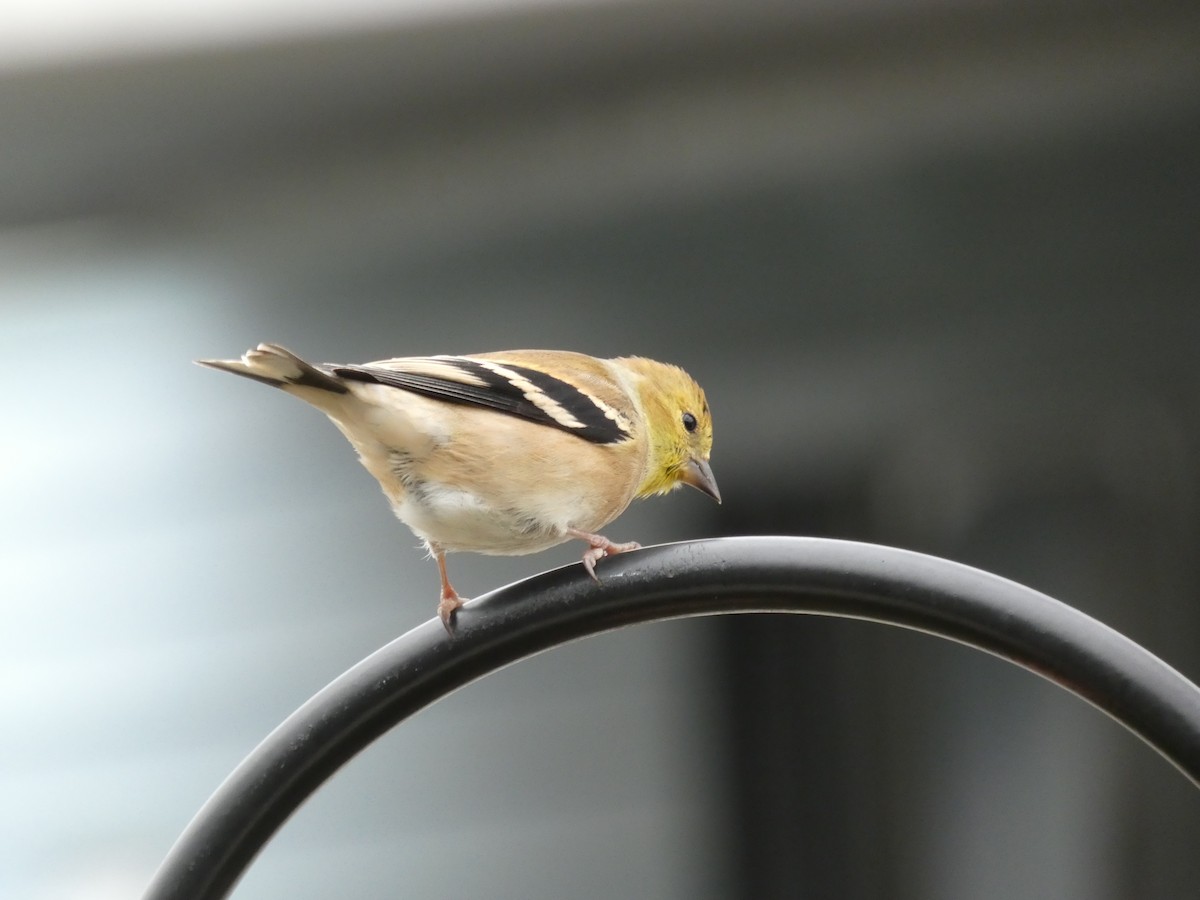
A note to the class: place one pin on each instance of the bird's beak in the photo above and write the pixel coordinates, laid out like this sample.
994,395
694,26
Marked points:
698,474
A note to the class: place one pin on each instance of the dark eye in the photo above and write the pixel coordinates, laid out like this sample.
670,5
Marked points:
689,422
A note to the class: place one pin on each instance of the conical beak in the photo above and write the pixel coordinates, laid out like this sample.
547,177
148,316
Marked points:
698,474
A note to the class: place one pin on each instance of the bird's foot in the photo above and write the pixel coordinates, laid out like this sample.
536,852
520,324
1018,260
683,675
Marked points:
450,601
447,607
599,547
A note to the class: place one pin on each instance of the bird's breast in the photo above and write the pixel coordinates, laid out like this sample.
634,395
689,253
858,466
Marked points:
507,487
459,519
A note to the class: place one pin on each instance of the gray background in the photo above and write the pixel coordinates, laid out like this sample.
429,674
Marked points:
936,265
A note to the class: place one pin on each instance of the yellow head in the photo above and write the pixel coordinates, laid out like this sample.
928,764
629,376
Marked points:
679,429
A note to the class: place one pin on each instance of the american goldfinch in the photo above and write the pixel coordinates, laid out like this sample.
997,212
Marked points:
507,453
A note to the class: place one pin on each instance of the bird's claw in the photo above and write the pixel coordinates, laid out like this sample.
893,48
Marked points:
600,547
447,607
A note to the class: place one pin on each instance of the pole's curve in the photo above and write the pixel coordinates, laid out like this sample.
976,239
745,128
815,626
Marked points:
727,575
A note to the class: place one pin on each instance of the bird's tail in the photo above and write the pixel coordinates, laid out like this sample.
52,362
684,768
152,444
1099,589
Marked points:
278,367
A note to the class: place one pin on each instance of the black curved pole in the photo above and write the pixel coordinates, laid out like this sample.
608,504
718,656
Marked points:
729,575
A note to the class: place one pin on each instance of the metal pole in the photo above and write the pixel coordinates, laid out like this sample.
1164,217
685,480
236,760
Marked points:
730,575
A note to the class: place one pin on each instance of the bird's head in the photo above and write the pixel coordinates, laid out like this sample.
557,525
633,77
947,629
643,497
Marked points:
679,429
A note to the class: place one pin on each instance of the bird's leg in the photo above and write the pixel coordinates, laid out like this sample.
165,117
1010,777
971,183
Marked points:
450,601
599,547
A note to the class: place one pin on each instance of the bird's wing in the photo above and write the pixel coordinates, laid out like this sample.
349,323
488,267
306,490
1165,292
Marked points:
504,386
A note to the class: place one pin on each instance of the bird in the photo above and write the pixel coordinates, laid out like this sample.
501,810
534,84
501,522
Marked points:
511,452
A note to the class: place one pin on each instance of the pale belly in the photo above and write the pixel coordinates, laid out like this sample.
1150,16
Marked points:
452,499
457,520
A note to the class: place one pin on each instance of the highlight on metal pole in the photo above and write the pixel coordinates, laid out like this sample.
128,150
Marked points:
713,577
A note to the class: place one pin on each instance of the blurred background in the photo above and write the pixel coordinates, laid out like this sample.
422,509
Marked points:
935,262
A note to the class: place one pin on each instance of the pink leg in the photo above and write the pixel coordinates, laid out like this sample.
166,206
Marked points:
450,601
599,547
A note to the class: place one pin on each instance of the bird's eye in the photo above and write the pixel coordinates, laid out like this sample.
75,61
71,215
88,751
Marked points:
689,422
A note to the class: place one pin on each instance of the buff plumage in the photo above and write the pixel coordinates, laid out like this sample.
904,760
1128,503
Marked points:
507,453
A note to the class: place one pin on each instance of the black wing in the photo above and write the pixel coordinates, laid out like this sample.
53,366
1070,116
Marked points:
503,387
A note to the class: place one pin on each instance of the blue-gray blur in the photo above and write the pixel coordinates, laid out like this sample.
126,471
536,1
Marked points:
937,269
